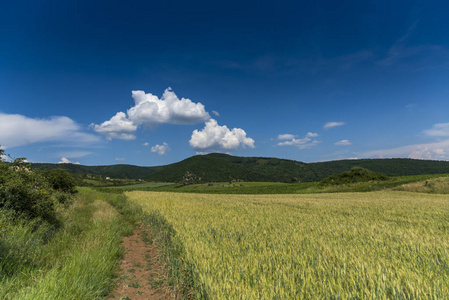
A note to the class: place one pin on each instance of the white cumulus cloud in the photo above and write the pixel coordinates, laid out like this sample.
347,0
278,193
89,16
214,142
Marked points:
160,149
18,130
64,160
343,143
216,138
118,127
146,144
151,110
329,125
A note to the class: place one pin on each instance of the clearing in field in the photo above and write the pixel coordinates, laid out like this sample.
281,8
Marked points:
373,245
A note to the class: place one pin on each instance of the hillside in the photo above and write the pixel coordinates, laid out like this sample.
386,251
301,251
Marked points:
222,167
113,171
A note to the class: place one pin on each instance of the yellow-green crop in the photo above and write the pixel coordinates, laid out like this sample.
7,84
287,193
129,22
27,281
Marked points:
378,245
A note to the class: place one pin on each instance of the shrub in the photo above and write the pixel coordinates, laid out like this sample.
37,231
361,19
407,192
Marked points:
60,180
24,192
356,174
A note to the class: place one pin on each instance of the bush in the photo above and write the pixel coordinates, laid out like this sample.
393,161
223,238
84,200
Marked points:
24,192
60,180
357,174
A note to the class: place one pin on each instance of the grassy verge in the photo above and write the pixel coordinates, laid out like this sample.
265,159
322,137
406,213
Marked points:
76,261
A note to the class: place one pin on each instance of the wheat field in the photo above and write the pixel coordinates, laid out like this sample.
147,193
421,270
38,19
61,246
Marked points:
377,245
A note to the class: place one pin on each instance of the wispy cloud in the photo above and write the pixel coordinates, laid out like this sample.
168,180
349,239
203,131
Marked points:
120,159
18,130
436,151
286,136
402,50
329,125
305,143
343,143
441,129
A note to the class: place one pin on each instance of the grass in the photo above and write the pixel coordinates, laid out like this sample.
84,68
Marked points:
76,261
376,245
432,186
272,187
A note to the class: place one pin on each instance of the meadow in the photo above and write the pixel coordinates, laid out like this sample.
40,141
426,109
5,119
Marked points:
374,245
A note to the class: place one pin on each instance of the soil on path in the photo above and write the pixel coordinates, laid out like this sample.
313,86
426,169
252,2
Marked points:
141,274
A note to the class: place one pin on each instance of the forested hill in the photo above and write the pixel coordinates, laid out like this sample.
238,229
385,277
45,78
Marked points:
223,167
113,171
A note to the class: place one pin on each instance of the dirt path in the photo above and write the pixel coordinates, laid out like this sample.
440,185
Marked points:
141,275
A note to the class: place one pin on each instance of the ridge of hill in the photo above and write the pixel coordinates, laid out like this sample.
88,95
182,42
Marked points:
121,171
217,167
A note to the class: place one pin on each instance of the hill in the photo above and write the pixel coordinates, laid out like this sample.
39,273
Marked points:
217,167
114,171
222,167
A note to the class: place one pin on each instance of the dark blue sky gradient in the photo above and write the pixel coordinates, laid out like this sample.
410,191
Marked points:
268,67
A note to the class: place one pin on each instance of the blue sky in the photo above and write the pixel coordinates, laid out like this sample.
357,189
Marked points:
154,82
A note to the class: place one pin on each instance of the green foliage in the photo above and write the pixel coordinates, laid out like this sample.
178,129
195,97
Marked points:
61,180
24,192
356,174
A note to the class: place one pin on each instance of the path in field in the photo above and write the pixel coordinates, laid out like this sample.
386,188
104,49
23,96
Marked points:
141,275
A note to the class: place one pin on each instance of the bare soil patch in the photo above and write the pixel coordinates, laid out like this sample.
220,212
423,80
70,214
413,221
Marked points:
141,274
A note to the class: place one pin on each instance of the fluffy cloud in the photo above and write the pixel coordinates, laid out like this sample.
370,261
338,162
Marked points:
118,127
17,130
441,129
216,138
160,149
151,110
305,143
329,125
216,113
437,151
66,161
343,143
146,144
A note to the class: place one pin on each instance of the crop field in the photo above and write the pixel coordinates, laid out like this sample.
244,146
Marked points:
375,245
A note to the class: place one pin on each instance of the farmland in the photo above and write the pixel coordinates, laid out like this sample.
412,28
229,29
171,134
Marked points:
375,245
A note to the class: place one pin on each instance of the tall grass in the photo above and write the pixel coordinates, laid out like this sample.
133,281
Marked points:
378,245
77,262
